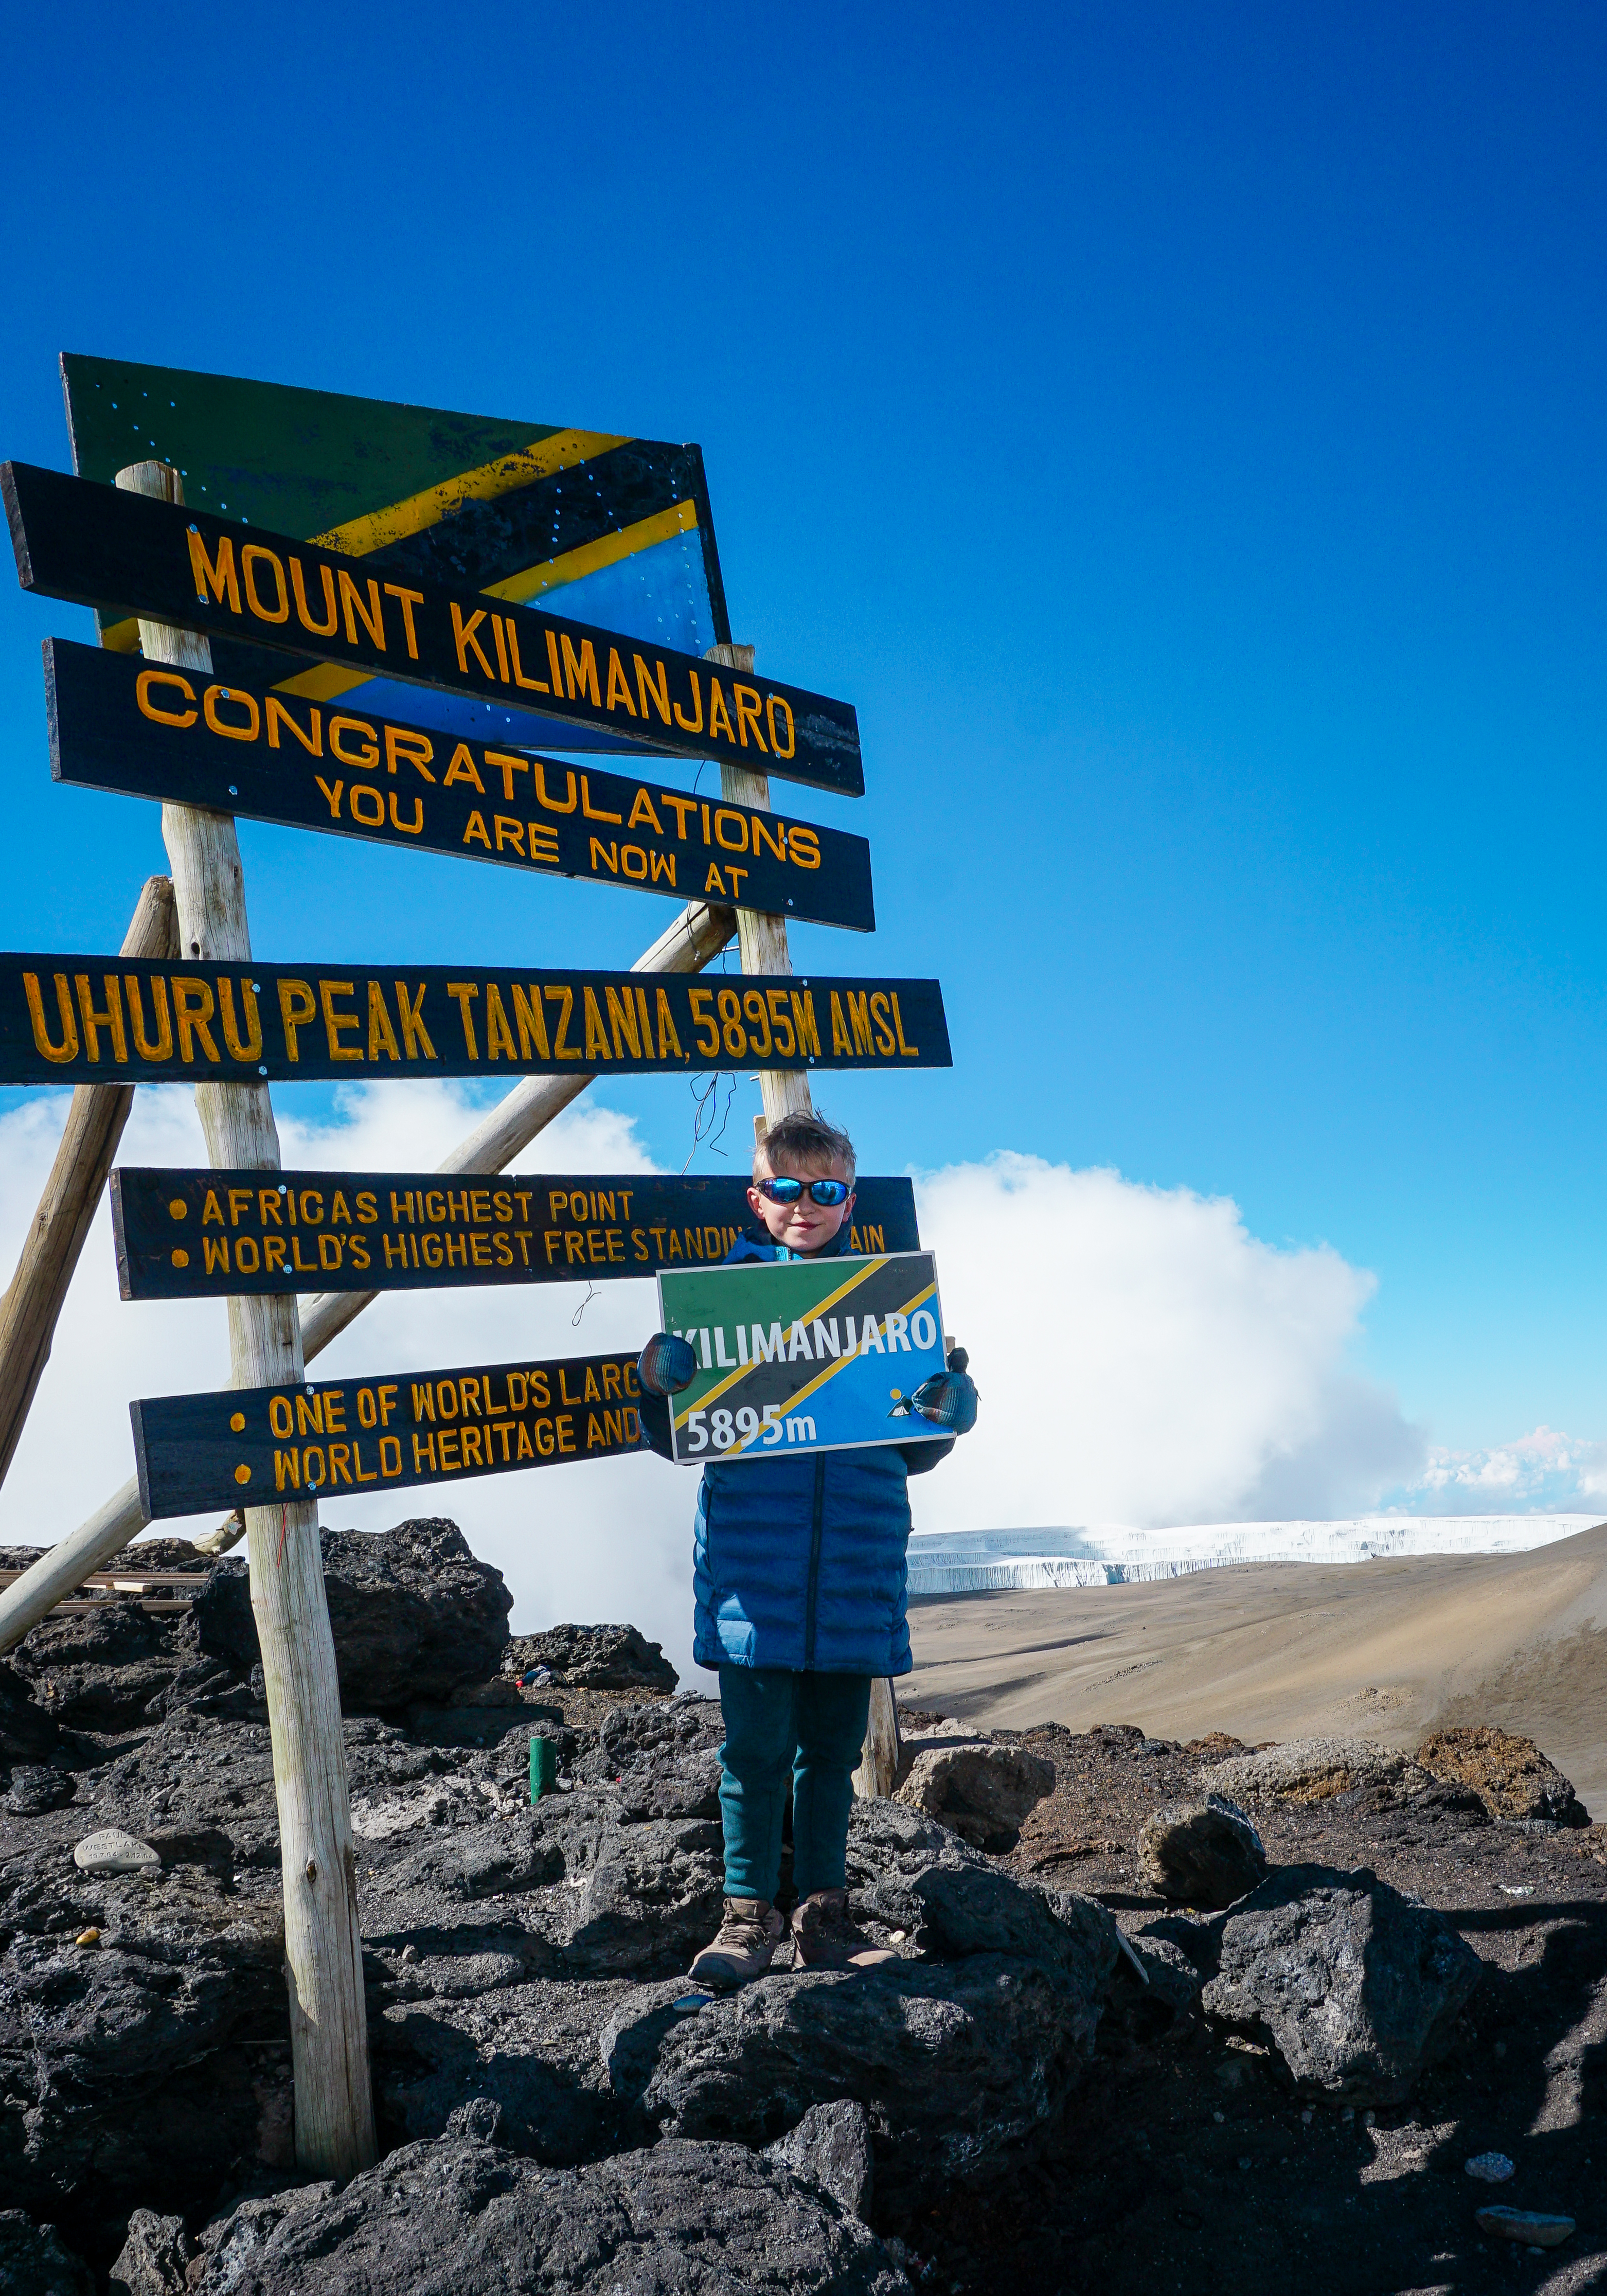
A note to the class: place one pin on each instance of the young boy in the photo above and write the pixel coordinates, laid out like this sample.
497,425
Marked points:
799,1575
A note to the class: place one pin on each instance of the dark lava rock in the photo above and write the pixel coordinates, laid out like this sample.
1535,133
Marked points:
34,2261
958,2061
114,1666
35,1788
1354,1987
695,2219
150,1556
957,2065
663,1757
593,1657
412,1613
1201,1853
598,1893
1509,1774
89,2034
982,1793
830,2149
27,1734
153,2258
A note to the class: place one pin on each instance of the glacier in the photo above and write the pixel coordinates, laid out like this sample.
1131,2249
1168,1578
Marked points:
1119,1554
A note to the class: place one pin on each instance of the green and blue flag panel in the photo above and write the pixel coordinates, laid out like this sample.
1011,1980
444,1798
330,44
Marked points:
604,529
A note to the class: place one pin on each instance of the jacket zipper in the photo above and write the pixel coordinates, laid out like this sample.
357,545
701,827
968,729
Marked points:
816,1528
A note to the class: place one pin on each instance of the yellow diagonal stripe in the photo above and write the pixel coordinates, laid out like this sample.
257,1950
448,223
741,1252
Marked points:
607,550
830,1371
329,681
396,520
868,1269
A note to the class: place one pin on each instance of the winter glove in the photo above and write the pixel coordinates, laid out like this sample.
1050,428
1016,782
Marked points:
948,1400
667,1363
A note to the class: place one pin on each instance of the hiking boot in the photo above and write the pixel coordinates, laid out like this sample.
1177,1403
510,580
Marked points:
824,1937
749,1935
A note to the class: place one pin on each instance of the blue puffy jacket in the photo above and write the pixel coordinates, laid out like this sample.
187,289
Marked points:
798,1563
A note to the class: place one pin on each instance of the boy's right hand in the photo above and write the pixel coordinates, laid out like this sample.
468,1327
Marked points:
667,1363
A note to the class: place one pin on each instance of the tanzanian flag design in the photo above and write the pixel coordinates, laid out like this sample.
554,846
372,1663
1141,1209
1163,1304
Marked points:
613,530
813,1354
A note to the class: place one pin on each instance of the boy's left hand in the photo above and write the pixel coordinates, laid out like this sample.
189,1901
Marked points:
948,1400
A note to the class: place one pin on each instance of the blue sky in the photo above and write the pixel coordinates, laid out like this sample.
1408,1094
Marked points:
1177,430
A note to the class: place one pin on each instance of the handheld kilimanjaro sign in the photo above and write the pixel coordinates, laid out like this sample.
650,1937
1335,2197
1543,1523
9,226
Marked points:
99,547
253,1446
814,1354
147,731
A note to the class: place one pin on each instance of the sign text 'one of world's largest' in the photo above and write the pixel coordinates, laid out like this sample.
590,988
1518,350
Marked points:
251,1446
96,545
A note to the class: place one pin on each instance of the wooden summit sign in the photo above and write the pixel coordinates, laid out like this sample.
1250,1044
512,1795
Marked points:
203,1235
258,1447
65,1019
98,547
148,731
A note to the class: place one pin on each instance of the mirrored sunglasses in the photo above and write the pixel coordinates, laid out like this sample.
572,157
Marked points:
788,1191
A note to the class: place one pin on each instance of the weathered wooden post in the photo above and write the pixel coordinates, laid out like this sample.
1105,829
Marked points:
322,1945
763,941
95,1117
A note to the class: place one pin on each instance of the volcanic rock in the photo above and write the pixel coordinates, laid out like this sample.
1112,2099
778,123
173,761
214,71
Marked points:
1511,1776
101,1668
830,2149
33,2261
1354,1987
593,1657
982,1793
664,1756
153,2258
413,1612
1201,1853
86,2038
697,2219
1314,1769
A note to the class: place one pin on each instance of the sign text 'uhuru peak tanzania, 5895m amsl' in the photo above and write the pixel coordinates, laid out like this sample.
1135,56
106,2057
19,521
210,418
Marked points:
96,545
71,1019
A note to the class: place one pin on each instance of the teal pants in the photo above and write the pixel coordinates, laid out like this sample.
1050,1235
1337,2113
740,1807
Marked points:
809,1728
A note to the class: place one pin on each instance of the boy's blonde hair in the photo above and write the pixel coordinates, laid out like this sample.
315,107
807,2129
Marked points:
807,1140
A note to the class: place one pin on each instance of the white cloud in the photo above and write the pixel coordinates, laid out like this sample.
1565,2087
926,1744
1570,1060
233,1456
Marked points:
1545,1470
1143,1359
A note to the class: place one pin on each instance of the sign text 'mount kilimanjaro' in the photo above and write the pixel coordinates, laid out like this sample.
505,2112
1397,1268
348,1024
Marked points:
98,547
203,1235
148,731
251,1446
67,1020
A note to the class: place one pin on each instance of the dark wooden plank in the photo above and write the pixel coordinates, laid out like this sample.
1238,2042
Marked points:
116,723
250,1447
99,547
203,1234
75,1019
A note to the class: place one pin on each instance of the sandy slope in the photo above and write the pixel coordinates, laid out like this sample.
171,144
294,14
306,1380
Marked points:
1288,1650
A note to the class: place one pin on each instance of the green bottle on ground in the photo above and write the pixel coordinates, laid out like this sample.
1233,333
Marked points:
543,1768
